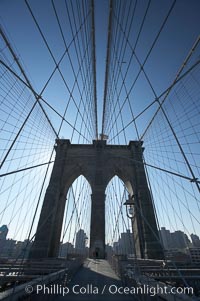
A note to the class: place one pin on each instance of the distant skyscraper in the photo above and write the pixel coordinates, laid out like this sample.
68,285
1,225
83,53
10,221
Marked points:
180,240
3,232
195,240
81,239
109,250
166,238
66,249
174,240
126,243
116,248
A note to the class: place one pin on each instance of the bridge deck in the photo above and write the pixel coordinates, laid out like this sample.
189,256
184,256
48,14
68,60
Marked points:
94,275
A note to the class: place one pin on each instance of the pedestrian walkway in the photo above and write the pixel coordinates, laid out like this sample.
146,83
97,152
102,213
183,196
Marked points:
95,281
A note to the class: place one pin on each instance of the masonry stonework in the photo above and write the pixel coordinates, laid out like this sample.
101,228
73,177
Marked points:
98,163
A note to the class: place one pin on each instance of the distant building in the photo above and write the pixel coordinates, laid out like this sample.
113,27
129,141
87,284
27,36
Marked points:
66,249
116,247
10,248
81,241
195,240
7,248
180,240
174,240
21,249
3,232
109,250
3,235
166,238
195,254
15,249
126,243
177,256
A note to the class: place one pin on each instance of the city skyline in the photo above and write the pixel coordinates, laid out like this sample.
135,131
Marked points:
124,245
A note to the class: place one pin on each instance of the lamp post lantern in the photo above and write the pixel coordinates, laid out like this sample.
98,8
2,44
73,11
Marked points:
129,207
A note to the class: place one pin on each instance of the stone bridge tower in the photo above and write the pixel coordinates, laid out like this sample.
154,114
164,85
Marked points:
99,163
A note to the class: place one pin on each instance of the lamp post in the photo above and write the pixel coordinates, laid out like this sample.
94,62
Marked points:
129,207
130,212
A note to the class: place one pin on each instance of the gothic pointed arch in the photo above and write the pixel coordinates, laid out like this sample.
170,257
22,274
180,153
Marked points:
98,163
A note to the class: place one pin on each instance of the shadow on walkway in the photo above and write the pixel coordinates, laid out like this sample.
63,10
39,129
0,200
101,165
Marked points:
95,281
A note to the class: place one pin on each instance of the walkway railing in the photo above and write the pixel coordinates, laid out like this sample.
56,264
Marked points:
147,274
15,278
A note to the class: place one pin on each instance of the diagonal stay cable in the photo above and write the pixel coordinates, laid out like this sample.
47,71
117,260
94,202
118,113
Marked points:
41,98
192,180
150,51
120,59
107,66
52,161
80,61
123,78
82,42
176,80
168,121
94,68
26,78
34,105
155,100
138,36
53,57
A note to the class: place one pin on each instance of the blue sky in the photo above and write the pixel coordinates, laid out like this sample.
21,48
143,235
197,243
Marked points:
177,38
